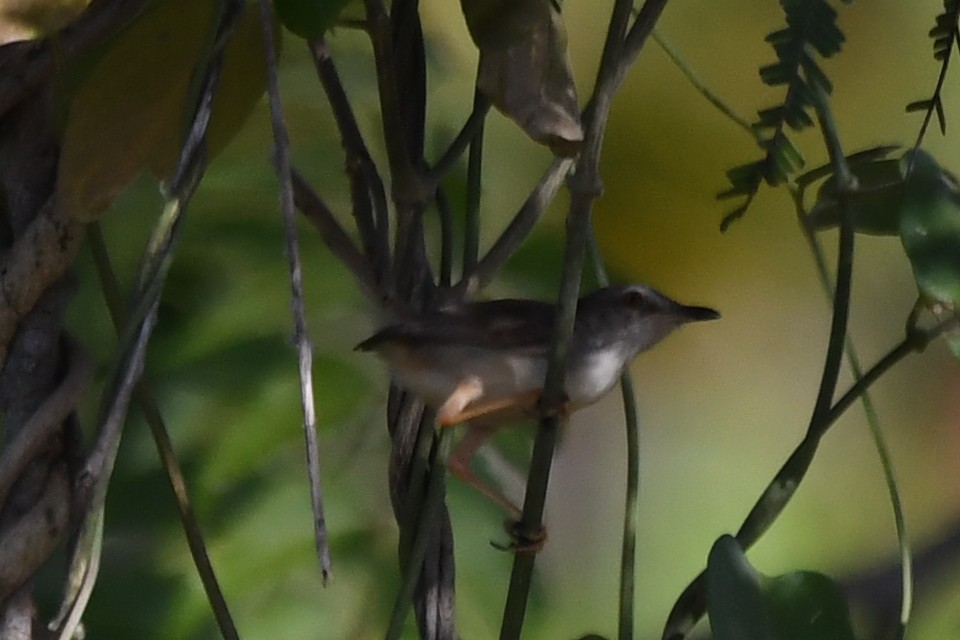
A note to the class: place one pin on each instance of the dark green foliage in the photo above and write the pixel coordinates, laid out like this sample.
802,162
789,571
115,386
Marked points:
746,605
811,32
309,18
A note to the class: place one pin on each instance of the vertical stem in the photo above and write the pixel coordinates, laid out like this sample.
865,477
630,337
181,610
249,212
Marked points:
301,335
585,187
628,547
471,232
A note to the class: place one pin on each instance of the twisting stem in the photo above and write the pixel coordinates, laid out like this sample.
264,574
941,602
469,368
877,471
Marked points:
426,529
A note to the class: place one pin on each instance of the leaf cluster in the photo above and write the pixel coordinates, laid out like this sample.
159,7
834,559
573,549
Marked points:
811,33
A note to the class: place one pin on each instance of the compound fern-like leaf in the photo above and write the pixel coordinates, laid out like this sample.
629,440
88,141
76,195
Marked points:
945,35
811,33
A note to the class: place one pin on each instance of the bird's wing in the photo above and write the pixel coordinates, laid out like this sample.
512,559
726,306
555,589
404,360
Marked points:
496,324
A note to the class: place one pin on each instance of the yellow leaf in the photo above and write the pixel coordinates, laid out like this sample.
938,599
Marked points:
34,19
130,112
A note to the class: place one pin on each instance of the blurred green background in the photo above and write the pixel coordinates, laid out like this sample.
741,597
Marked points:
722,404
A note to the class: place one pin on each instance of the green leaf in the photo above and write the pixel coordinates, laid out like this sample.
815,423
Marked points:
874,206
806,605
930,228
309,18
745,605
734,597
129,114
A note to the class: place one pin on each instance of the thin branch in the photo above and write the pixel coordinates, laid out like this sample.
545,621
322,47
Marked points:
471,128
366,186
96,473
585,187
846,183
916,341
94,479
628,547
516,232
701,86
301,335
319,214
471,227
640,30
445,216
785,483
151,412
405,186
873,420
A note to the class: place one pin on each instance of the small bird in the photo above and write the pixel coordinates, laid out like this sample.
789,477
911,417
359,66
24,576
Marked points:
486,362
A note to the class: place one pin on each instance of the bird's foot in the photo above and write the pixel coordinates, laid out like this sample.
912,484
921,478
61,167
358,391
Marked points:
523,541
560,410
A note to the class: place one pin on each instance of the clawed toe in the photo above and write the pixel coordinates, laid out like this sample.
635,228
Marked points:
560,410
522,540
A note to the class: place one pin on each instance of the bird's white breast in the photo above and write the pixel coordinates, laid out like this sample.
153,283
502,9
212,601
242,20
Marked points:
589,379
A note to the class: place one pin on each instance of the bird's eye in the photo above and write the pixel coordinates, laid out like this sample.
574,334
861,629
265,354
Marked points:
636,300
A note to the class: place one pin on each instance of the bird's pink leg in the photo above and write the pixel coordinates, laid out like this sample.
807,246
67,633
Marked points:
452,408
459,465
471,410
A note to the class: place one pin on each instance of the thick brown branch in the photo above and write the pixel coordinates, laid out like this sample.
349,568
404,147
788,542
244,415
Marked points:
29,542
38,259
45,423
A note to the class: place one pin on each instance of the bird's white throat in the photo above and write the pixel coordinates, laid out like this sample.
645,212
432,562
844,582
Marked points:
592,377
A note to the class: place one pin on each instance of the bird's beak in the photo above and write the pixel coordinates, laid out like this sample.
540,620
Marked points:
697,314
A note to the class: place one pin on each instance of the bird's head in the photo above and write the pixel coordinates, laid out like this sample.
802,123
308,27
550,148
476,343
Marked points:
636,315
